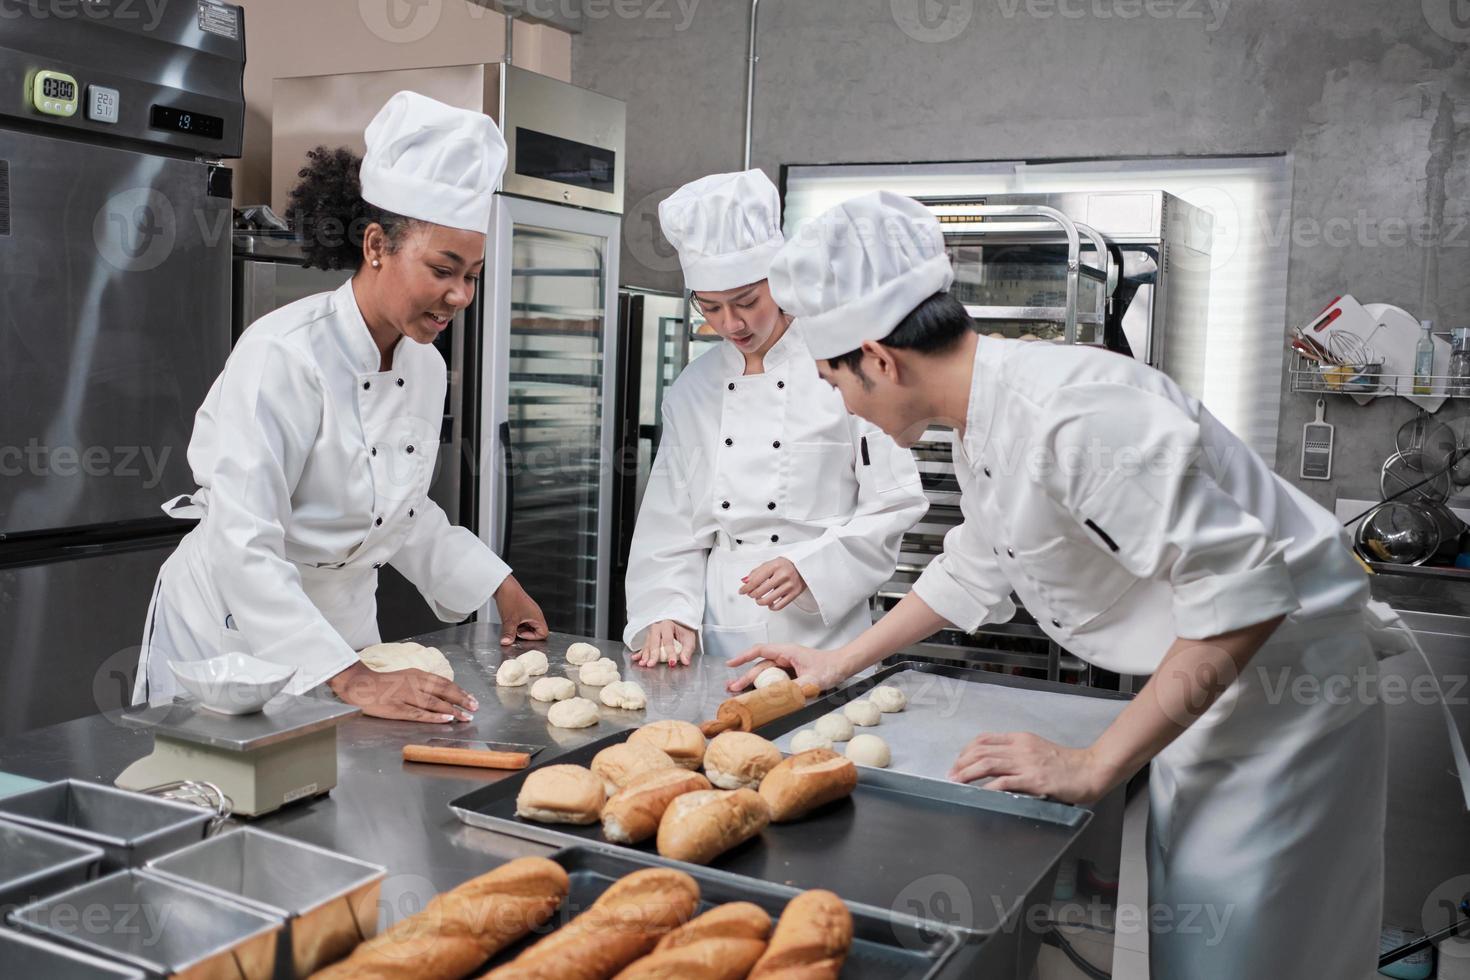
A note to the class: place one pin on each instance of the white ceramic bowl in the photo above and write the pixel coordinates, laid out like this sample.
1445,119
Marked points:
233,684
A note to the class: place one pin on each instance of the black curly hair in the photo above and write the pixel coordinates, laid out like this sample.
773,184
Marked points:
329,215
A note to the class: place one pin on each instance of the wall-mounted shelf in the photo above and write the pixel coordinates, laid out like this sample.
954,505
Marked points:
1311,377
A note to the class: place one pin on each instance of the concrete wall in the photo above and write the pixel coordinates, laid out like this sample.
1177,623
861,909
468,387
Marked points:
1372,99
287,38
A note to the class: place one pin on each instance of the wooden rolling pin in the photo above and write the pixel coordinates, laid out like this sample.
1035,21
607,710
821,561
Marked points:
749,711
478,758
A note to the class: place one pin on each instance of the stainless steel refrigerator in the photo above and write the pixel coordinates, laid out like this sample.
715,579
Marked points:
114,320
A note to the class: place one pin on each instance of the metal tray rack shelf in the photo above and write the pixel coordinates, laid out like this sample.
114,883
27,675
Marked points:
1310,377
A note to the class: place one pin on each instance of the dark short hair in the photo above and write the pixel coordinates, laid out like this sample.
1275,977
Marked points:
329,215
935,326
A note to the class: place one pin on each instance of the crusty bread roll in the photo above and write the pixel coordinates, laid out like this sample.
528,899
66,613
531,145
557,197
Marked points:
633,814
698,827
618,764
683,742
722,944
561,794
622,925
806,781
812,940
461,929
739,760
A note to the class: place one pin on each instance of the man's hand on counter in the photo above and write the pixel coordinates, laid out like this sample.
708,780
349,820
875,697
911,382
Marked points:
824,668
403,695
520,617
1025,763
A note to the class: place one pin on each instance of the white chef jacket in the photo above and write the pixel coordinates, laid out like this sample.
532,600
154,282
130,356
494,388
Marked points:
763,466
314,469
1124,515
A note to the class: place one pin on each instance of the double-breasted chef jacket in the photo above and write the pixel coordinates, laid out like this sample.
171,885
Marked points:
313,469
755,467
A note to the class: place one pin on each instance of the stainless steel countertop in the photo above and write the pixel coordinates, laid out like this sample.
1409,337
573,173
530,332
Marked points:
395,813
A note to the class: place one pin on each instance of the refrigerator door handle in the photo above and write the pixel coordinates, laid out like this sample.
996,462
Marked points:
508,498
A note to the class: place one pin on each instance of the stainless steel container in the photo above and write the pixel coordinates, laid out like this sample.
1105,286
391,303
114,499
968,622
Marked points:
329,902
129,827
34,865
159,926
31,956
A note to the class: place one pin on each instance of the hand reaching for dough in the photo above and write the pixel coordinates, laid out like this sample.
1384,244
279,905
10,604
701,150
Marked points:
775,584
403,695
520,617
824,668
669,642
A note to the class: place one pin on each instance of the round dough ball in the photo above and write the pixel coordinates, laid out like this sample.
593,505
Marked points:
553,689
835,727
582,653
625,695
599,673
863,713
573,713
535,662
405,656
512,673
809,738
869,750
888,699
769,676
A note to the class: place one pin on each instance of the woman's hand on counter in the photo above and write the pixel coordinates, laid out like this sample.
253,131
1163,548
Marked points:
675,638
775,584
1025,763
824,668
404,695
520,617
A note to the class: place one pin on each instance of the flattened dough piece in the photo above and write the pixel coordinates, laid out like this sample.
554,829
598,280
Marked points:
404,656
553,689
599,673
512,673
625,695
582,653
573,713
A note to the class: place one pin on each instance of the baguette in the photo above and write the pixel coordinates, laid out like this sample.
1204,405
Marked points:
806,781
633,815
622,925
812,940
460,929
722,944
698,827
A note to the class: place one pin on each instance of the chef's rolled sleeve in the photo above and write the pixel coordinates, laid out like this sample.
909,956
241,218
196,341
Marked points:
963,585
453,570
1127,464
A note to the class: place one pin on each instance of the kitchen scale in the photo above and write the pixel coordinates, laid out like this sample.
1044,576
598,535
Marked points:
262,761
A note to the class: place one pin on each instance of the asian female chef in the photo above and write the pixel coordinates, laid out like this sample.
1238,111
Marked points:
316,445
772,515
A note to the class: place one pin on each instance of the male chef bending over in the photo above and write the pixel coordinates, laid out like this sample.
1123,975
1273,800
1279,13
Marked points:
1147,539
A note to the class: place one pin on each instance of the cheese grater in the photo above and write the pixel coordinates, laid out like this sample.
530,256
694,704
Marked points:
1317,447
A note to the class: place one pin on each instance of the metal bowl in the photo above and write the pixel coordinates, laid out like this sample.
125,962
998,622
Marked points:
1398,533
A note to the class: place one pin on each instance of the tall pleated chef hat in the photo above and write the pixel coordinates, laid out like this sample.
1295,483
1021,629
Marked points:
727,228
856,271
433,162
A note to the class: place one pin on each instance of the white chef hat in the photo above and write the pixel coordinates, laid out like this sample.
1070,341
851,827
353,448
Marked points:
855,272
433,162
727,228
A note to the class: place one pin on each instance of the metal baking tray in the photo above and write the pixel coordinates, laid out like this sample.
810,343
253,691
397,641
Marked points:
30,956
329,902
887,944
34,865
964,856
129,827
949,705
158,926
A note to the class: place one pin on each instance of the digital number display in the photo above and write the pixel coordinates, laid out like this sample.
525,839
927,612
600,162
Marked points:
58,88
183,121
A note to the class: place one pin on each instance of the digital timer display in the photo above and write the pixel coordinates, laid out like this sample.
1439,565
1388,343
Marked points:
184,121
53,93
58,88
